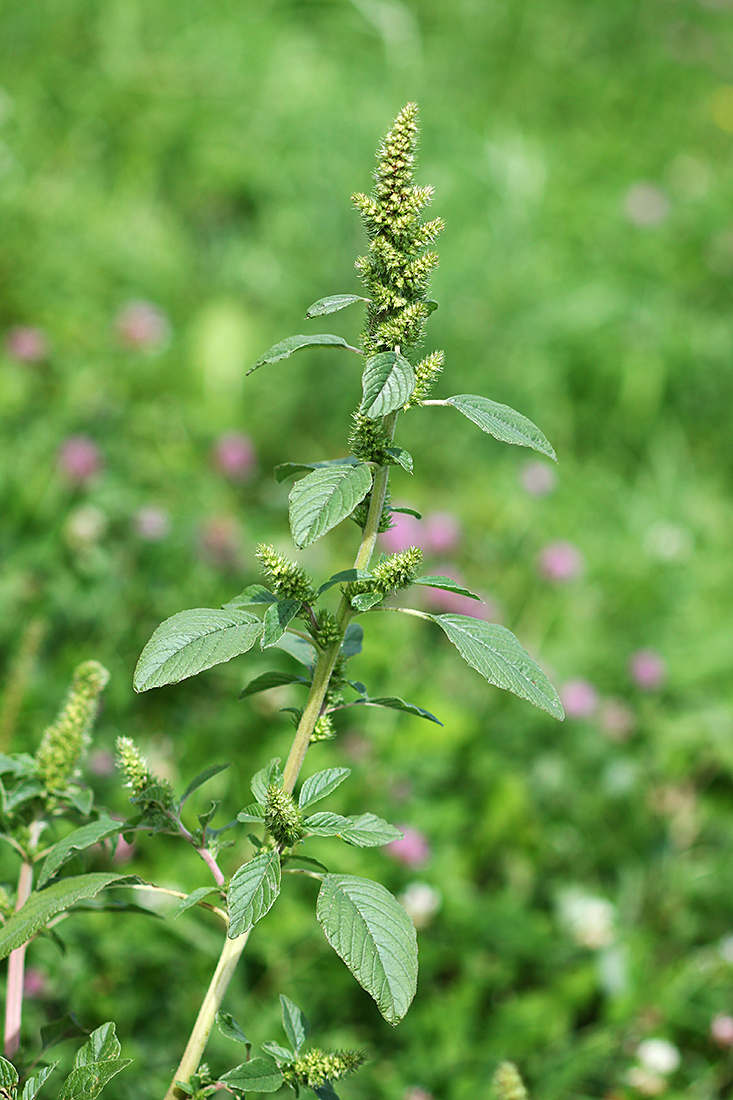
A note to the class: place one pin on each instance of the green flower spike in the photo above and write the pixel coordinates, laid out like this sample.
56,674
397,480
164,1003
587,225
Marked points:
508,1084
288,579
317,1066
283,817
138,774
65,742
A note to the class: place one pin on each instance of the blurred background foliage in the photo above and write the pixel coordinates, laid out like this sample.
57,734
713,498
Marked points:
174,192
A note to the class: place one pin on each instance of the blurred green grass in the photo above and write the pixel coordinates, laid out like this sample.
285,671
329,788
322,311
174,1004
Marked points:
200,158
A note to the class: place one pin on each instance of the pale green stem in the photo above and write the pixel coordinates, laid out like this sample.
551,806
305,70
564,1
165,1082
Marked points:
311,713
16,962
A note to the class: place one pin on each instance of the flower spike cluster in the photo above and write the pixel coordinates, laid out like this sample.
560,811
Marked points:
65,742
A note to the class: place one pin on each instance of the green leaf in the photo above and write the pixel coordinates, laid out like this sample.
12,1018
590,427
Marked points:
298,648
325,1091
448,585
230,1029
387,383
193,641
432,305
345,577
44,904
269,680
34,1083
253,594
252,892
311,864
374,936
394,703
363,601
8,1078
201,778
325,497
332,304
321,784
257,1075
193,899
402,457
502,422
19,764
256,812
352,642
295,1023
276,619
294,343
289,469
364,831
76,842
406,511
494,652
95,1065
279,1053
262,779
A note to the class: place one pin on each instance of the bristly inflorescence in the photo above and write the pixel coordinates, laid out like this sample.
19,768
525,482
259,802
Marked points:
65,742
288,579
139,776
508,1084
316,1067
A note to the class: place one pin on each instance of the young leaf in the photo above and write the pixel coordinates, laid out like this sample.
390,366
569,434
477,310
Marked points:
290,469
502,422
76,842
365,831
253,594
406,511
353,639
8,1078
323,498
298,648
394,703
192,641
294,343
200,779
257,1075
230,1029
364,600
44,904
295,1023
374,936
276,619
494,652
332,304
387,383
326,1091
193,899
402,457
344,577
34,1083
448,585
279,1053
321,784
252,892
94,1065
269,680
256,812
262,779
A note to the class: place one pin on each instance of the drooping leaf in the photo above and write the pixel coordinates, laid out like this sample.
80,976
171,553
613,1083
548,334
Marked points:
290,469
267,680
372,933
276,620
193,899
253,594
294,343
95,1065
344,577
295,1023
323,498
406,511
402,457
448,585
255,812
262,779
193,641
352,642
252,892
34,1083
332,304
393,703
44,904
387,383
201,778
494,652
363,601
257,1075
364,831
321,784
298,648
502,422
229,1028
77,841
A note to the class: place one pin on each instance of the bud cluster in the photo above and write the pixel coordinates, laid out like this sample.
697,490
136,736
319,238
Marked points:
508,1084
139,777
314,1069
65,741
391,573
283,817
288,579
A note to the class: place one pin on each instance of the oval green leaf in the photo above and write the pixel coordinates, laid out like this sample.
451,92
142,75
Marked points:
257,1075
294,343
502,422
494,652
387,383
320,785
332,304
364,831
276,620
448,585
372,933
252,892
44,904
76,842
193,641
321,500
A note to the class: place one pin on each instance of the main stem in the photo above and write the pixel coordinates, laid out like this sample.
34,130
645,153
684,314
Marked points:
311,713
16,961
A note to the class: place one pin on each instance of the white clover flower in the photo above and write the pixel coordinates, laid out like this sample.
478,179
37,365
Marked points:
658,1056
422,902
589,920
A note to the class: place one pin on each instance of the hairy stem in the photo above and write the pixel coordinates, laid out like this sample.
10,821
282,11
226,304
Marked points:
16,962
